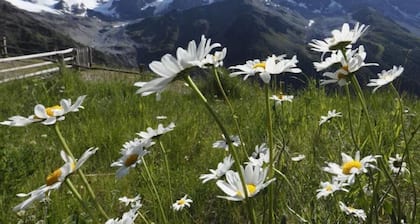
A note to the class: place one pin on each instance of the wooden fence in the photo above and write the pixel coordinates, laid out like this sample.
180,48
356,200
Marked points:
13,68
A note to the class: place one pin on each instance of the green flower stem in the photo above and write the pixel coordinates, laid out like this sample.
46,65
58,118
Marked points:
235,117
79,198
366,111
80,172
194,87
271,151
155,191
350,120
165,156
406,151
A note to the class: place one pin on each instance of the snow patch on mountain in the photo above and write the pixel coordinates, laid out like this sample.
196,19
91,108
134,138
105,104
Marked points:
158,5
75,7
33,7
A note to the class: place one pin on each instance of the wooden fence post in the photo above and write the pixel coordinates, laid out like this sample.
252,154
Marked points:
4,47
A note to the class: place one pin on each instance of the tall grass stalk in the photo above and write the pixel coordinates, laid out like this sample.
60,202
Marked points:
80,173
232,150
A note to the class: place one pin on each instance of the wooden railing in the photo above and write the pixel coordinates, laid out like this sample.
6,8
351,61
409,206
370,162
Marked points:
13,68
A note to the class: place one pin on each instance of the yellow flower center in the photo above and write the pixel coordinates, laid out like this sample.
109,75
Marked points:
131,159
259,65
53,177
329,187
181,202
251,190
350,165
50,110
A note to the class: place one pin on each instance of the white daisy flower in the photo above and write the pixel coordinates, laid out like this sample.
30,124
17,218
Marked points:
130,216
328,188
331,114
358,213
215,59
355,61
386,77
169,67
132,154
335,58
397,165
55,179
151,133
272,66
260,149
48,115
351,167
260,157
20,121
127,201
254,180
194,55
222,168
340,38
181,203
222,144
281,98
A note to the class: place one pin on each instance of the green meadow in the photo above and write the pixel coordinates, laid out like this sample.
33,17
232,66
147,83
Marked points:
113,114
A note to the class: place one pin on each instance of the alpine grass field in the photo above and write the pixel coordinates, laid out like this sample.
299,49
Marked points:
330,154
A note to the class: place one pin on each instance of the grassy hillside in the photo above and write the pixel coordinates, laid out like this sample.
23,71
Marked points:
113,114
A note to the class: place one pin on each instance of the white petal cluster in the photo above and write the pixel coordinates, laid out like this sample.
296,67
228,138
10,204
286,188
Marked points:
181,203
222,144
255,181
358,213
221,170
169,67
55,179
151,133
273,65
331,114
328,188
350,167
279,99
132,154
386,77
340,38
353,61
47,115
130,216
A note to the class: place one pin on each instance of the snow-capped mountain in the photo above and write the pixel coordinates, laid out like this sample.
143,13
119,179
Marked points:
74,7
114,9
404,12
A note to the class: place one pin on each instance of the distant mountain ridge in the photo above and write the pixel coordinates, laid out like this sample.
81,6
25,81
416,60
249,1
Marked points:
250,30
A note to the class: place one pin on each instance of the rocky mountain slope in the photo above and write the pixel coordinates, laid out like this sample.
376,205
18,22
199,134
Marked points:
250,30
